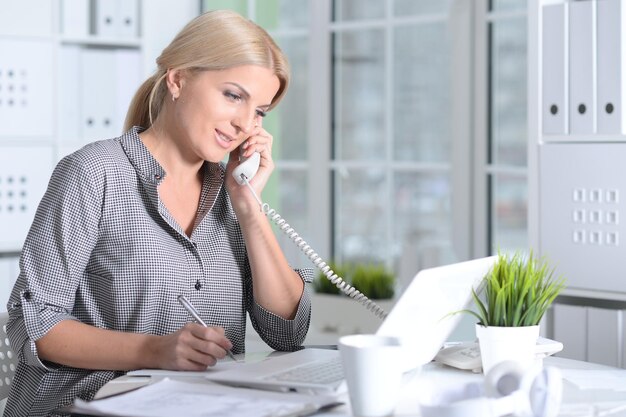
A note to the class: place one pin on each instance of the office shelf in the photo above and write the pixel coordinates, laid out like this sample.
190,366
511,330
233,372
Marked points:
576,180
101,41
595,138
66,78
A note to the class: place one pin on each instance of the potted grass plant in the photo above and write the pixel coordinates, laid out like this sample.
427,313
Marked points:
336,314
516,294
374,281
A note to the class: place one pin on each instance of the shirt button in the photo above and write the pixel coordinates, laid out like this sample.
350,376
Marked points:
198,285
157,176
27,295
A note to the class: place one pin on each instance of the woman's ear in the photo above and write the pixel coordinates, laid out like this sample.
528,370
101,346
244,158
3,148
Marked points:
175,80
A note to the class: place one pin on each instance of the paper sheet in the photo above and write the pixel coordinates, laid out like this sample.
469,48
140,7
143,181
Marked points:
222,365
601,409
598,379
170,397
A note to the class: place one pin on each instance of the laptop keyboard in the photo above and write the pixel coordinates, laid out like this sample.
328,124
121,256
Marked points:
316,372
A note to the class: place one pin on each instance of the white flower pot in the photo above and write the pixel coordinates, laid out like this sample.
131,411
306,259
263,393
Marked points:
341,315
499,344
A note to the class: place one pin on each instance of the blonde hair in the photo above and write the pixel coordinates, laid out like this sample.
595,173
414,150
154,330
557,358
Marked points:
215,40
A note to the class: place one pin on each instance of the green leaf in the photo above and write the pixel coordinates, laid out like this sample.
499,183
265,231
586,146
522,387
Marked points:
483,316
517,291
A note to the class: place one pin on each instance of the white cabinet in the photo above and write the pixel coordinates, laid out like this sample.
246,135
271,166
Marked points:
576,147
26,90
604,336
8,274
68,70
575,158
66,80
29,18
589,333
570,328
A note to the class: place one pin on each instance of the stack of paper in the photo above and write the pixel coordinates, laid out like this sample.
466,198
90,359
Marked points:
176,398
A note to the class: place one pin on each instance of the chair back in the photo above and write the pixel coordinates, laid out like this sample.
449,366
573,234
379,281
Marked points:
8,359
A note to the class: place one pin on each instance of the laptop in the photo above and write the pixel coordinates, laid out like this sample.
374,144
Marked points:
421,319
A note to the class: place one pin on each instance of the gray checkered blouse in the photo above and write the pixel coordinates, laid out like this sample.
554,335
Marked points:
104,250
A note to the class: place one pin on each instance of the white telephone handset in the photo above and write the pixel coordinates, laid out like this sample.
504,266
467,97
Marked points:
243,173
247,168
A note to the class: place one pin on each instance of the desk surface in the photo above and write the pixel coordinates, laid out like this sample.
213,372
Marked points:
577,401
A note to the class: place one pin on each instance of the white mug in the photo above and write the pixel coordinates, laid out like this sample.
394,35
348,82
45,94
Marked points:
373,369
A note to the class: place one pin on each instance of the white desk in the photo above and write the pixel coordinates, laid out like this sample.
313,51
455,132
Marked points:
583,400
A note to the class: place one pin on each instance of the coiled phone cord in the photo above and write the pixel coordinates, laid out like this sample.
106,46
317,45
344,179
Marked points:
343,286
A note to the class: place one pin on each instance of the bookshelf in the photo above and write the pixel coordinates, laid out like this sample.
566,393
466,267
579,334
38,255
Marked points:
576,148
68,71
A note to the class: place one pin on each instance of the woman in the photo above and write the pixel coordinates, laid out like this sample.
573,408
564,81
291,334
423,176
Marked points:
129,224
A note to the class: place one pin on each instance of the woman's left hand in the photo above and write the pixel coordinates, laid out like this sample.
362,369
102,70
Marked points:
259,141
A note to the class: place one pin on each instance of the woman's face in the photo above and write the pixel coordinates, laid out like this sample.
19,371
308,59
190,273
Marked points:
216,110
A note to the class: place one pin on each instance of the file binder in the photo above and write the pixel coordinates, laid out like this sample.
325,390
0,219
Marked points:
117,18
106,16
75,18
68,109
611,65
98,94
554,69
127,81
582,67
128,18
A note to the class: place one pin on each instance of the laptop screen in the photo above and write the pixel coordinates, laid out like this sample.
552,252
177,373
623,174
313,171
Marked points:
421,318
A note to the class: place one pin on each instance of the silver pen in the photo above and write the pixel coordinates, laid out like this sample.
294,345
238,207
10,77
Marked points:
192,310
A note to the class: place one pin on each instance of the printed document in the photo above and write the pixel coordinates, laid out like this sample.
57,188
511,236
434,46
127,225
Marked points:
169,397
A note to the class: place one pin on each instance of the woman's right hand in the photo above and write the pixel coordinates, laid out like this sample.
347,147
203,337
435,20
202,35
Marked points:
191,348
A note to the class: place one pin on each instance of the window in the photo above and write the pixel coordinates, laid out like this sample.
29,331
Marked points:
288,23
391,136
403,135
507,150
